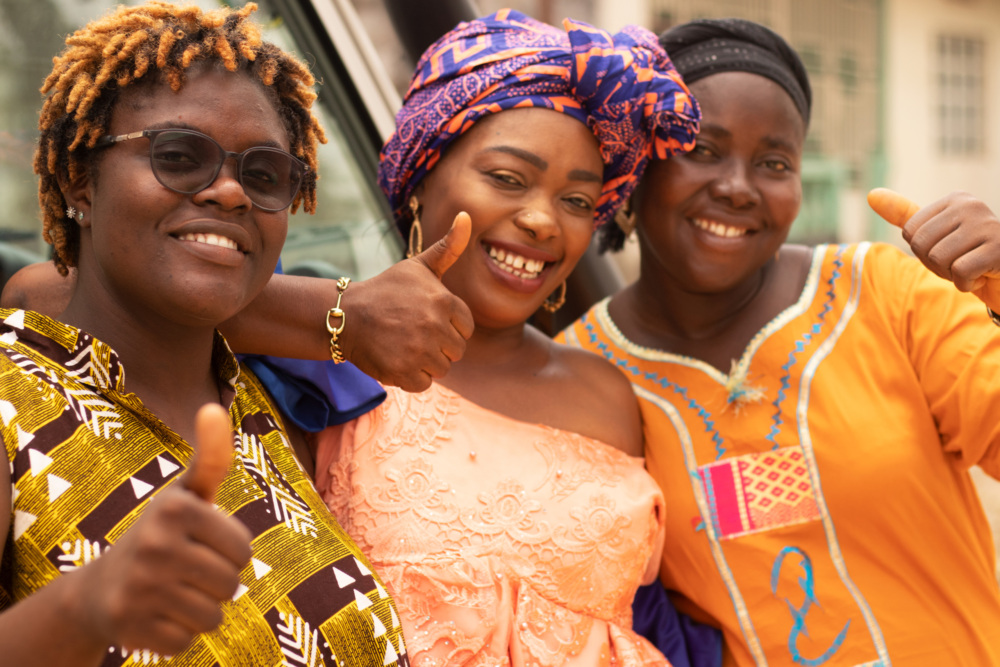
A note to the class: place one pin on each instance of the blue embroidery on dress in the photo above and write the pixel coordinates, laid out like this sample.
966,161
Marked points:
800,346
799,613
703,414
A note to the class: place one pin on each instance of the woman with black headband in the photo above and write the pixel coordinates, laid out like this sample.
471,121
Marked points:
810,413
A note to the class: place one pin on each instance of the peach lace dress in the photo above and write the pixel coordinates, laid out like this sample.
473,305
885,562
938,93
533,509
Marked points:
502,542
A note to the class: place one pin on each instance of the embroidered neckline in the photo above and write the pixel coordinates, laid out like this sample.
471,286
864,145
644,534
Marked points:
801,306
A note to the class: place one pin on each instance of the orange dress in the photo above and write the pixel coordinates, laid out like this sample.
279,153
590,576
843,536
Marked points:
820,508
502,542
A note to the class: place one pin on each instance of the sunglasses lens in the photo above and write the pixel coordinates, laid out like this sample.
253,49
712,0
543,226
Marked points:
187,162
271,177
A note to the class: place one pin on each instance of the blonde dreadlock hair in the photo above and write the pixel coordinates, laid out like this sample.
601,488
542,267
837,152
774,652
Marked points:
155,42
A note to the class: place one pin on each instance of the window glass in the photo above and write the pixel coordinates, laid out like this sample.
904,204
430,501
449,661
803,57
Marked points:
349,235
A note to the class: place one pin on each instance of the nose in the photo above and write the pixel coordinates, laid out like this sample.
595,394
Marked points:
538,221
226,190
735,185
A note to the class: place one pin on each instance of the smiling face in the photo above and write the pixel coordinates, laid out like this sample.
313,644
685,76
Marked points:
193,259
530,179
709,220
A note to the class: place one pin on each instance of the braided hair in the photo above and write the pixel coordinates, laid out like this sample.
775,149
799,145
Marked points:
156,42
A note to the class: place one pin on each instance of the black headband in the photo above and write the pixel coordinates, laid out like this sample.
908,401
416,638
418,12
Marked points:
705,47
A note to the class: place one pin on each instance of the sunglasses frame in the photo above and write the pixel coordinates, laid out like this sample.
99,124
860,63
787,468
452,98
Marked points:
109,140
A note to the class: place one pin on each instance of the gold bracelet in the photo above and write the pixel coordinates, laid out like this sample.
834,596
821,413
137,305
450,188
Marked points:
335,353
993,316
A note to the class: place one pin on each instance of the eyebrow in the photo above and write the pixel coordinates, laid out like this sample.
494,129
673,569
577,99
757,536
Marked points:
527,156
539,163
770,142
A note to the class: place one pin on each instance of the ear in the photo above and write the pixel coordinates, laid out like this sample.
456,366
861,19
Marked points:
78,193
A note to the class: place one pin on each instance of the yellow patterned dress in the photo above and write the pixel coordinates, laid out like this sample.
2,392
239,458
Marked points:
819,506
86,459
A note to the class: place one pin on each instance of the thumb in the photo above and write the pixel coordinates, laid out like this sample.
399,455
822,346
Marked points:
892,206
213,452
440,256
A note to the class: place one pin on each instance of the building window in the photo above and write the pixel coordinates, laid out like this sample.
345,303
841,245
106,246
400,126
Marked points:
960,95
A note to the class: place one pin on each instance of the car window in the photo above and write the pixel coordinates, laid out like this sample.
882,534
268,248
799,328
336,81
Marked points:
349,235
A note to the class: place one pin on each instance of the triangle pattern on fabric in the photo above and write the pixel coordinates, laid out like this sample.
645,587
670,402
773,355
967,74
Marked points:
140,487
15,319
39,461
23,438
379,628
167,468
362,600
343,579
57,487
260,568
390,654
22,521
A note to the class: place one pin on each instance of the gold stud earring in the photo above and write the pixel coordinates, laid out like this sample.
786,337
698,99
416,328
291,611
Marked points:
415,244
553,304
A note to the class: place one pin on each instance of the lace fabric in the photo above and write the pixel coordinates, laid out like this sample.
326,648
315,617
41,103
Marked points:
503,543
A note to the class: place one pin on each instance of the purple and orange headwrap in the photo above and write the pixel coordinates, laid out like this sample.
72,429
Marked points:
624,88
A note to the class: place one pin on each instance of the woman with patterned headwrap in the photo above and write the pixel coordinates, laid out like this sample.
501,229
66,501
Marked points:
506,507
810,413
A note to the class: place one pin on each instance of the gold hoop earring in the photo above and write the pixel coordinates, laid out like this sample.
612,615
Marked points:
552,305
415,244
625,218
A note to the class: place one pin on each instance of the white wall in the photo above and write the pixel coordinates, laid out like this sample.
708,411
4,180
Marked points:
915,166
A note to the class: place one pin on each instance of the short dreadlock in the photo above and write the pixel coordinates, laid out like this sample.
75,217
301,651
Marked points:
155,42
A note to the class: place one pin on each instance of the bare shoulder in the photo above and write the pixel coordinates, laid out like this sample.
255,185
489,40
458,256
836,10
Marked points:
39,287
607,406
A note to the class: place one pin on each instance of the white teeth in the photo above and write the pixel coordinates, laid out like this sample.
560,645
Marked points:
718,229
517,265
211,239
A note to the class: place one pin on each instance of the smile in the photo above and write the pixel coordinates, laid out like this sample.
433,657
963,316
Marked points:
516,265
211,239
719,229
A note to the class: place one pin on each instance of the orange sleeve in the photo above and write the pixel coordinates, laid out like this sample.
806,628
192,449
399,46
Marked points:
955,352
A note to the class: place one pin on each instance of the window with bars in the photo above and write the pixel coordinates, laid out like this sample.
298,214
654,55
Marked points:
959,95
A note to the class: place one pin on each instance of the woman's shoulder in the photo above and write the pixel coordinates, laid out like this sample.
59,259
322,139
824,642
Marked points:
605,404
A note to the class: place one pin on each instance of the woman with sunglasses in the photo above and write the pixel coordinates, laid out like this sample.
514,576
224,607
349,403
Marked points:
811,413
171,202
506,506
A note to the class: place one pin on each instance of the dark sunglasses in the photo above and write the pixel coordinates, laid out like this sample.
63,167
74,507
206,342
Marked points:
187,162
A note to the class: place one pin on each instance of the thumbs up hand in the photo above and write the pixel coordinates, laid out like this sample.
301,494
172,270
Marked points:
406,327
162,583
956,237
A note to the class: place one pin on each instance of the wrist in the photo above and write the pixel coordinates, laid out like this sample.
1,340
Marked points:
336,323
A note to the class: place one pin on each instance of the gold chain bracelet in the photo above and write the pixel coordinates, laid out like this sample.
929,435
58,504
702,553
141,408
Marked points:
335,353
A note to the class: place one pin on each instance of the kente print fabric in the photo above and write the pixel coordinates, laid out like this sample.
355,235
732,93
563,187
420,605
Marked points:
86,459
819,505
624,88
502,542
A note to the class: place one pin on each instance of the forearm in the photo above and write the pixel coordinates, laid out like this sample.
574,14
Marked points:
286,319
49,629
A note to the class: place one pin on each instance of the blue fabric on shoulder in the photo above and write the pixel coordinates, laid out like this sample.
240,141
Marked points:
685,642
316,394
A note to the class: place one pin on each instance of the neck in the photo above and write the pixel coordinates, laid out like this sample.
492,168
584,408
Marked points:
668,309
167,366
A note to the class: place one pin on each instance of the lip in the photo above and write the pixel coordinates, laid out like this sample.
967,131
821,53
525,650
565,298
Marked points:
206,249
517,283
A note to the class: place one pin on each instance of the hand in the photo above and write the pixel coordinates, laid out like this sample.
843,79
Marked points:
405,326
957,237
161,584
